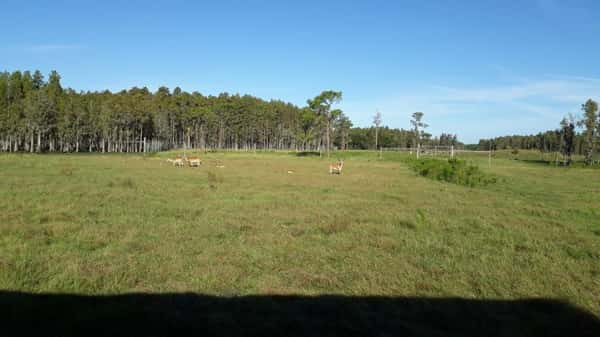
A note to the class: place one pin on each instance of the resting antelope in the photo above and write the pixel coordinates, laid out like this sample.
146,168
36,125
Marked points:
336,167
193,161
176,162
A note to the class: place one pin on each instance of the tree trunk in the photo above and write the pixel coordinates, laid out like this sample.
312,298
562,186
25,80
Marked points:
141,138
189,138
327,136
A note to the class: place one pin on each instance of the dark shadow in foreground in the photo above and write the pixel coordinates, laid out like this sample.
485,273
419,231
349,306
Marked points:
25,314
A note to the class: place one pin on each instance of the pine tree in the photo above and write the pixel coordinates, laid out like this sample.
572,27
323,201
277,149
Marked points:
568,138
321,105
590,123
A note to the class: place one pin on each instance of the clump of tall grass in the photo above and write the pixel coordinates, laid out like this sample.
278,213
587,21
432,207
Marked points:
125,183
452,170
338,225
214,180
67,171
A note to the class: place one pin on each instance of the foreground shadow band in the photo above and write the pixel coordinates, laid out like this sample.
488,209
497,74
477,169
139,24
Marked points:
25,314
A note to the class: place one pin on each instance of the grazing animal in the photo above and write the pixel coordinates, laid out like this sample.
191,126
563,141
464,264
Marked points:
193,161
290,172
336,167
176,162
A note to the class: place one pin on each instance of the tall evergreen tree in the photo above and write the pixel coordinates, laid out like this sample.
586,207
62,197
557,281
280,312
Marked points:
568,138
590,123
321,105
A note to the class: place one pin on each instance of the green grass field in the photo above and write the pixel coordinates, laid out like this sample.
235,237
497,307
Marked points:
112,224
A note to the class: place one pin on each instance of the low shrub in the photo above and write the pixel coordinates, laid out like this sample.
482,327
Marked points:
308,154
453,171
125,183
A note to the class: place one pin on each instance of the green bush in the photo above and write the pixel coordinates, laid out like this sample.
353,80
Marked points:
452,171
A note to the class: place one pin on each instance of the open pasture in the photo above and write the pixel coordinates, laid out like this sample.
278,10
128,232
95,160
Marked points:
109,224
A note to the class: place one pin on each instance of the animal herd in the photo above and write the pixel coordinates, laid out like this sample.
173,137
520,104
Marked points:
334,168
181,161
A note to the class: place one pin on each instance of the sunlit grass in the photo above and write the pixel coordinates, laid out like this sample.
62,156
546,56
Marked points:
98,224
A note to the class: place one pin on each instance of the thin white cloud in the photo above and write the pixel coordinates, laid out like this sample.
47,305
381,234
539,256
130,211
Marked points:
564,90
522,105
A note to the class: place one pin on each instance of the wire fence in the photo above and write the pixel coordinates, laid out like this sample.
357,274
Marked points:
440,151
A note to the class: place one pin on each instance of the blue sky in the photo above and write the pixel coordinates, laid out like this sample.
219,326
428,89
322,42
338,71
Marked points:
475,68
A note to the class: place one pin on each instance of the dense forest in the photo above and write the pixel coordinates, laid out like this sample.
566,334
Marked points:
39,115
548,141
574,136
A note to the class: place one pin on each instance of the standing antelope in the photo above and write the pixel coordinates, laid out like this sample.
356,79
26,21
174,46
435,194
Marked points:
336,167
193,161
176,162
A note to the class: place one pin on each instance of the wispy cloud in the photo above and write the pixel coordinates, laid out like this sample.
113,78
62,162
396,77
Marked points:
567,89
525,105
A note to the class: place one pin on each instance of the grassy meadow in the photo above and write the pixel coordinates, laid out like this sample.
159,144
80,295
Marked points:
111,224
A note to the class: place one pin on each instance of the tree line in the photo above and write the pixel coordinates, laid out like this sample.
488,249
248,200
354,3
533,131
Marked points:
39,115
377,137
365,138
575,136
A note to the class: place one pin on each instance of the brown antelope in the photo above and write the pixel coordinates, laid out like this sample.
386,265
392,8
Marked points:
178,161
336,167
193,161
